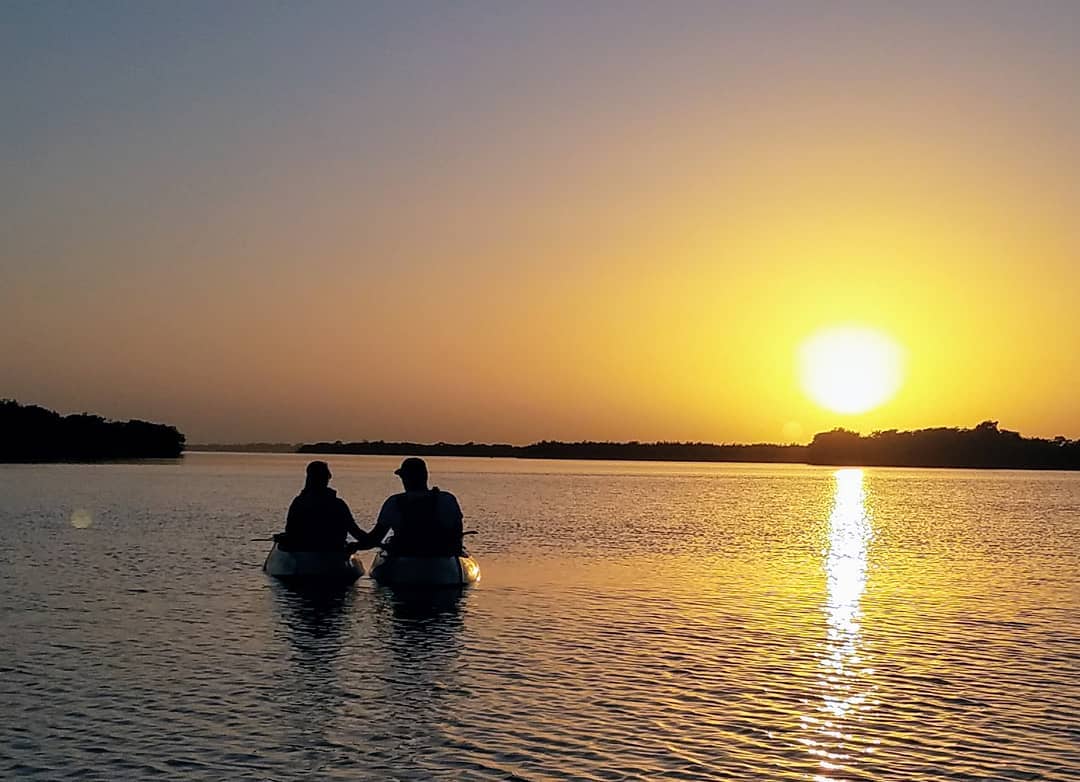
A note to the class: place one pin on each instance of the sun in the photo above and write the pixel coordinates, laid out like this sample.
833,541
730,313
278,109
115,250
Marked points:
850,369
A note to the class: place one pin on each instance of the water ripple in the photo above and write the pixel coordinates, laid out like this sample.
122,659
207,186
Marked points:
635,622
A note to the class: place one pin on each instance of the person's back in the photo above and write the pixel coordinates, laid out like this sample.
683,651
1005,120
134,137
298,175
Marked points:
318,519
424,522
427,524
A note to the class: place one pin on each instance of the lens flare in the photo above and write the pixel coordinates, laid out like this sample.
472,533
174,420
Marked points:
82,519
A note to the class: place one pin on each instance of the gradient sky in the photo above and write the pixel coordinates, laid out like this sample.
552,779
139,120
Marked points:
513,221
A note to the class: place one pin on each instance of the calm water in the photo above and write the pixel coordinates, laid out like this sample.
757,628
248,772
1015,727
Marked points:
651,621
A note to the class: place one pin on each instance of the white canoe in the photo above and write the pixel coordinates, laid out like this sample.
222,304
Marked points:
424,571
313,565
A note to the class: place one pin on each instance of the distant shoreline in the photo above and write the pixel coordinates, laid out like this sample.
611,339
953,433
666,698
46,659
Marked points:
38,435
239,450
589,451
242,448
983,447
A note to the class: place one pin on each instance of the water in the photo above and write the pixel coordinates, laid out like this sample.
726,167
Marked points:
635,621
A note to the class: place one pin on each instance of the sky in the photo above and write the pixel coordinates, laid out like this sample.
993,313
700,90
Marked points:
516,221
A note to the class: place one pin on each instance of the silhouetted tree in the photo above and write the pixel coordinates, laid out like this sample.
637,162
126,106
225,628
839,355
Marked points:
29,433
986,445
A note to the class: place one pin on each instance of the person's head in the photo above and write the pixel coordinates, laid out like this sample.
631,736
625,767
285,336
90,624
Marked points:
413,474
318,475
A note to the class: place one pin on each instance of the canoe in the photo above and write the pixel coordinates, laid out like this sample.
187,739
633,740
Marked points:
424,571
313,565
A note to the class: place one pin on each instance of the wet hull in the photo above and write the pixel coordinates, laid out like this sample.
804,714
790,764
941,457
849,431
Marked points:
313,565
425,571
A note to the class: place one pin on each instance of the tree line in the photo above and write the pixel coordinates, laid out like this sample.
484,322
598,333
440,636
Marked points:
29,433
553,449
984,446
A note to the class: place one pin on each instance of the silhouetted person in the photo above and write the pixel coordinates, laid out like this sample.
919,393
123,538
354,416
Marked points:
425,522
318,519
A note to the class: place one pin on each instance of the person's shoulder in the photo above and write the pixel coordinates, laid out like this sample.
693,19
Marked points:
448,500
392,500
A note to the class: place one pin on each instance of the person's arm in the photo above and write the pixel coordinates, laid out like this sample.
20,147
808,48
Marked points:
292,518
383,524
456,516
450,519
350,523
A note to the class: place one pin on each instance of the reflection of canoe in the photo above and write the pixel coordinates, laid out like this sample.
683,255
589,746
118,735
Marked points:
311,565
424,571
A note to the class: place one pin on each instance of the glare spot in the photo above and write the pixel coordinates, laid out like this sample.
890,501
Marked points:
81,518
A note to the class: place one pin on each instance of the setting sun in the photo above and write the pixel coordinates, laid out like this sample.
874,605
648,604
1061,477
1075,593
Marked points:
850,369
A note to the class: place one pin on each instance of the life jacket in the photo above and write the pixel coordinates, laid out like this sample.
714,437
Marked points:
421,532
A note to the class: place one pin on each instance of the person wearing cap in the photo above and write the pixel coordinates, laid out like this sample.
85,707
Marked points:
318,519
424,522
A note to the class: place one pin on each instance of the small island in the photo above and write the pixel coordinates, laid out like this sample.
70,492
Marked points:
984,446
37,434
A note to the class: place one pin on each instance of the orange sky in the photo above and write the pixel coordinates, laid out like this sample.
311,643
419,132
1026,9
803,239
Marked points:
508,224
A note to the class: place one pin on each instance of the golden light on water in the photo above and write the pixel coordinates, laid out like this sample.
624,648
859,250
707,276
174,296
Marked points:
844,687
845,570
850,369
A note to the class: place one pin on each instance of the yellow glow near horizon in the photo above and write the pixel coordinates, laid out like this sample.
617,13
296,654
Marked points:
850,369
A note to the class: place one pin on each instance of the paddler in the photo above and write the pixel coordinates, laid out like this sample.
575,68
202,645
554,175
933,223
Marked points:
424,522
318,519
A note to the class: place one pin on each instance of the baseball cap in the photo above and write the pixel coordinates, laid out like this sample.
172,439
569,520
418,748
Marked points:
412,467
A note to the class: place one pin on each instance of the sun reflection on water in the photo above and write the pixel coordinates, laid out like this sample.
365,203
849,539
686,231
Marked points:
843,679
